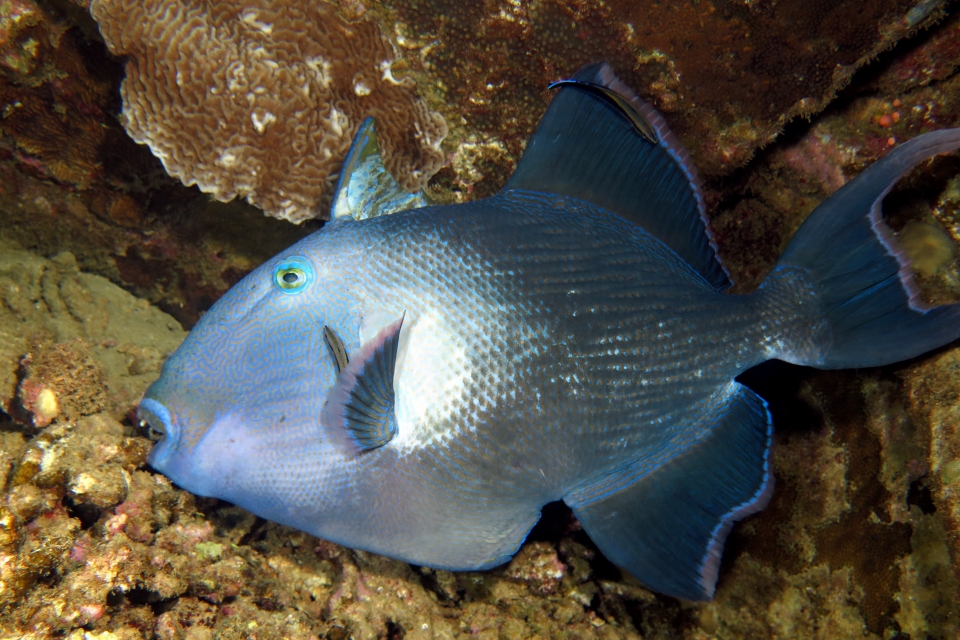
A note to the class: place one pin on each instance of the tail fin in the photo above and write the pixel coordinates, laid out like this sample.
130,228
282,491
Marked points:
867,290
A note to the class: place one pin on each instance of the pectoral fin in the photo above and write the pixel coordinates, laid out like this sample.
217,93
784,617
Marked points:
668,527
361,404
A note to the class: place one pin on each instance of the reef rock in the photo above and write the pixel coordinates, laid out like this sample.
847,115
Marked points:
261,100
64,333
728,76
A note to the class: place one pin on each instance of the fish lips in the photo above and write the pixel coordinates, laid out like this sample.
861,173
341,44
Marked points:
168,456
207,466
160,420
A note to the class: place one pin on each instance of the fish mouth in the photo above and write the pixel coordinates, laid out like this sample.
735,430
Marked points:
162,428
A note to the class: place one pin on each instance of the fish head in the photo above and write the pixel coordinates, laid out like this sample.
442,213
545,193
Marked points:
240,400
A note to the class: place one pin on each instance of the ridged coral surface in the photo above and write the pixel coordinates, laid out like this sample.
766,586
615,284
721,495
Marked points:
260,100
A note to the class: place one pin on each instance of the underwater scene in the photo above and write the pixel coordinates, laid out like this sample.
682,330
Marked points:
551,319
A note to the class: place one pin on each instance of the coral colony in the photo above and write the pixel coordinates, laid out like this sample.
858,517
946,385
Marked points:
268,110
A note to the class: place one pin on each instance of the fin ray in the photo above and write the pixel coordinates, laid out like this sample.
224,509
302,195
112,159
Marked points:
365,188
337,348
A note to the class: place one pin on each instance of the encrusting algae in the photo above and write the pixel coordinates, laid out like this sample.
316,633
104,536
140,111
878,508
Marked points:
861,539
930,248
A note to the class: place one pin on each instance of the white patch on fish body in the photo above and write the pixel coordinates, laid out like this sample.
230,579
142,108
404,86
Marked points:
372,323
424,385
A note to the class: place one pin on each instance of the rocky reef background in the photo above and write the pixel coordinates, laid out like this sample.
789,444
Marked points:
105,261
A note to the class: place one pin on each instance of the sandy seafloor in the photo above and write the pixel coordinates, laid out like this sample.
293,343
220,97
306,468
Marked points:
103,268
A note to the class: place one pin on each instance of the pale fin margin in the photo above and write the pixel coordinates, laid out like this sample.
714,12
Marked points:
668,527
365,188
589,146
865,284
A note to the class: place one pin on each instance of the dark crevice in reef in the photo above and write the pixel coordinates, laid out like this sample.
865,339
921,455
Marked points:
730,189
430,581
735,187
139,597
867,79
228,520
919,494
209,506
556,522
779,383
257,533
600,567
7,425
394,631
87,514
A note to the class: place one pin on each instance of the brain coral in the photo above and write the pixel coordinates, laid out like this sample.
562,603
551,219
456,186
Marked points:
261,98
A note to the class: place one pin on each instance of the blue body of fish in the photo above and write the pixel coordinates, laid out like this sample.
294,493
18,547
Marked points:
419,382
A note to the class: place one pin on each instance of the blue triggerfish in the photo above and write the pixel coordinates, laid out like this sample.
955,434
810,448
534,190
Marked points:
419,380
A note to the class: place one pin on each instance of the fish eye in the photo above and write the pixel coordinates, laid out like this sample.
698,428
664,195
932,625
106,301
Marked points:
293,275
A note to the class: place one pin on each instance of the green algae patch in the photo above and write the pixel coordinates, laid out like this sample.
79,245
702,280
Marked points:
930,248
951,472
209,550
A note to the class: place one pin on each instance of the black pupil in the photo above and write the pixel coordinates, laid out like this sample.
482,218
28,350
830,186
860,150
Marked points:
290,277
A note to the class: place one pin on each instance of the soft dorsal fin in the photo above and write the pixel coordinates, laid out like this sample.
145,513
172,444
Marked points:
599,142
361,404
365,188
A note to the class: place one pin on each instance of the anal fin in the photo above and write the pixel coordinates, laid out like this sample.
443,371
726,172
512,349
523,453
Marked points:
668,527
361,404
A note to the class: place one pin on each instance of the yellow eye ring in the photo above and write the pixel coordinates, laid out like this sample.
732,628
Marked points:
293,275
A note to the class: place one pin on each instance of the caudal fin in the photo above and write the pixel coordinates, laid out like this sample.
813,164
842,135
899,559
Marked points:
866,287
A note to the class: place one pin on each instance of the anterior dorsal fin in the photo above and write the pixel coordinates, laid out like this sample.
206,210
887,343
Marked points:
362,401
365,188
599,142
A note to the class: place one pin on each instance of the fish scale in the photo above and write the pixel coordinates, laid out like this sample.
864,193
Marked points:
639,404
566,339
